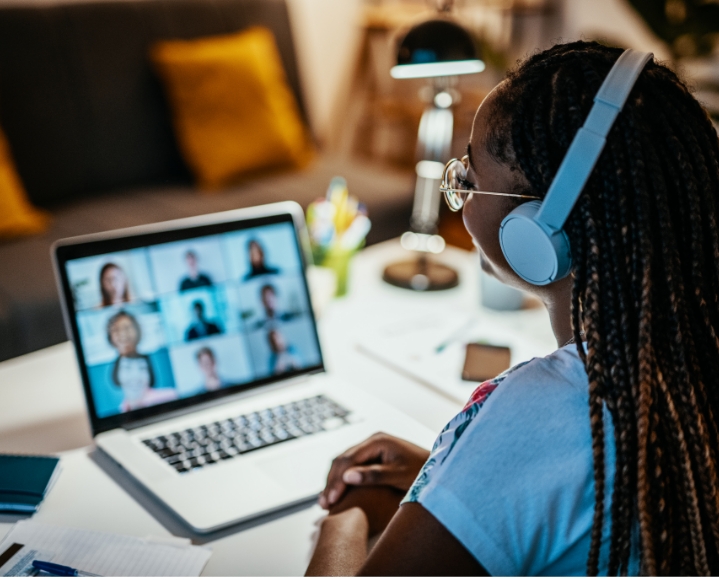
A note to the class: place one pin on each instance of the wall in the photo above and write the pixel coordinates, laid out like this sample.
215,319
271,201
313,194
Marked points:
327,40
613,20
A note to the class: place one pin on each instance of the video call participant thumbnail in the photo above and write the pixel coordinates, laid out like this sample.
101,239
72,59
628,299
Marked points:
114,285
200,326
132,371
271,306
134,375
124,333
195,278
258,267
283,357
207,361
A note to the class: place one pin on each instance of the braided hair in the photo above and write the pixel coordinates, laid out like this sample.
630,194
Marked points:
645,247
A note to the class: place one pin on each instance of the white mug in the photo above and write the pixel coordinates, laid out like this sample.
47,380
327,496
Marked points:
498,296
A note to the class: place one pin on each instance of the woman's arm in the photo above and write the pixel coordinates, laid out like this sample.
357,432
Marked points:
342,546
414,543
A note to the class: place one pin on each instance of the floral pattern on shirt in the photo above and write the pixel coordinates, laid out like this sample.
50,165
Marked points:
449,436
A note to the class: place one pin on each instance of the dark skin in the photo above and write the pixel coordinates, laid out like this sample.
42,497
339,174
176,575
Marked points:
366,483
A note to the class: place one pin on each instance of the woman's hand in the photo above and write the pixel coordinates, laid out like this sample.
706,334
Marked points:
379,503
380,460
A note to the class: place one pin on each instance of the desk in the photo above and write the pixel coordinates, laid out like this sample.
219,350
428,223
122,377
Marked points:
41,392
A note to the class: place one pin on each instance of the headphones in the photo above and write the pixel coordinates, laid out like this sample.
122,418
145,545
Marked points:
532,237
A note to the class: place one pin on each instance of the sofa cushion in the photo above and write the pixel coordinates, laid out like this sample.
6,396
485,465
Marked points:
233,112
30,315
81,107
17,216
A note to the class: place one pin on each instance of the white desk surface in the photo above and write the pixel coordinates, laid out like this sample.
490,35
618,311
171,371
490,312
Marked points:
44,388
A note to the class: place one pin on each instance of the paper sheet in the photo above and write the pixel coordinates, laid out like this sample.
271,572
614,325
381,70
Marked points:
102,553
409,344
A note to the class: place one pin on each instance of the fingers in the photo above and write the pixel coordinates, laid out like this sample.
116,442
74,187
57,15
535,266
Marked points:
376,474
367,451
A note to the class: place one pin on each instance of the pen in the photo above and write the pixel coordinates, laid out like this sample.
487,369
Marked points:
454,336
59,569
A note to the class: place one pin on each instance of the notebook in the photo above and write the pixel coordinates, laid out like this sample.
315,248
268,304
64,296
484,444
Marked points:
25,480
99,553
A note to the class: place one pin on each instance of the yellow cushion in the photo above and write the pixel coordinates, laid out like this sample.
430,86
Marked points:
17,216
233,112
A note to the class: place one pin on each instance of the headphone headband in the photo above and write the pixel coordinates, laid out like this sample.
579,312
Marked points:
589,141
531,236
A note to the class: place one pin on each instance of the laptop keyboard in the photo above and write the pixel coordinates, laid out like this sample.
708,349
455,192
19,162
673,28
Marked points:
199,446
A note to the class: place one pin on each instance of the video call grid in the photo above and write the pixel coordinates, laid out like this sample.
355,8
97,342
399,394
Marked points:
219,291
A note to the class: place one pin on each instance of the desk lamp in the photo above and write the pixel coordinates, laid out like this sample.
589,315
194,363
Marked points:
439,50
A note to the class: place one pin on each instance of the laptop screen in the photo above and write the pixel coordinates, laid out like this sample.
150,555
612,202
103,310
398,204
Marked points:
169,319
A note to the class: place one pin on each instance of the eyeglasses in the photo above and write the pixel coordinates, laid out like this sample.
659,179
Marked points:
456,187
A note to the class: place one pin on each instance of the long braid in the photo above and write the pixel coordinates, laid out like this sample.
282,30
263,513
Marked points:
645,248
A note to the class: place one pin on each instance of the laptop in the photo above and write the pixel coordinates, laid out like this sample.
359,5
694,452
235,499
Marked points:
201,363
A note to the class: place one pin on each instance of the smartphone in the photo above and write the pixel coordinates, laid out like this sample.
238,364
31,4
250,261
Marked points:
485,361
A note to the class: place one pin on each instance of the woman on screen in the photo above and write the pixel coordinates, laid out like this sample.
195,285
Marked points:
207,362
134,375
114,285
124,333
132,371
256,255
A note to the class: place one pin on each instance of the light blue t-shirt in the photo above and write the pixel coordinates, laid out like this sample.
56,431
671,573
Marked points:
511,476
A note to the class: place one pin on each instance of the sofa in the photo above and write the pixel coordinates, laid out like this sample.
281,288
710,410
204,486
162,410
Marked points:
92,139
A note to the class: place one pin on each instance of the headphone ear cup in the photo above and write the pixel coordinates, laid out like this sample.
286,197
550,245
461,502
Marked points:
537,254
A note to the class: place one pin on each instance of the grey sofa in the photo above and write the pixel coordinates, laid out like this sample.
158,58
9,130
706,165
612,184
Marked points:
92,139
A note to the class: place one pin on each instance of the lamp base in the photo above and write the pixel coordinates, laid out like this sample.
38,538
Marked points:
421,275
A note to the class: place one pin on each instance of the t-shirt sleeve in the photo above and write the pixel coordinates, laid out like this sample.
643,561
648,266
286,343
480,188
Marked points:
511,477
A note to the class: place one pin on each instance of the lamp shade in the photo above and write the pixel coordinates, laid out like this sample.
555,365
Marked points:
436,48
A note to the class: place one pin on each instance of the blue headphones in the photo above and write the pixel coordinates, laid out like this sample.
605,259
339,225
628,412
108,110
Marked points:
531,236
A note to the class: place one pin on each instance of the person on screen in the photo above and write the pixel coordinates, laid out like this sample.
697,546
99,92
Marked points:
200,326
283,357
132,371
207,362
134,375
114,286
256,255
124,333
194,278
270,305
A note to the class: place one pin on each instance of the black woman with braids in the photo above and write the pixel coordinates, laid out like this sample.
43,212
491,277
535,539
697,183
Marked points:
600,458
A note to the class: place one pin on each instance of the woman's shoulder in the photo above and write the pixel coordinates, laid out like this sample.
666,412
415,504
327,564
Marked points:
522,443
560,373
537,392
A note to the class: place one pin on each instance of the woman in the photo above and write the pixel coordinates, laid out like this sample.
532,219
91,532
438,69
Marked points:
207,362
124,333
602,457
132,371
114,286
256,255
134,375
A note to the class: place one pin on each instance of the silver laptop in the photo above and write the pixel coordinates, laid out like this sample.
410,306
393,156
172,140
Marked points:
202,367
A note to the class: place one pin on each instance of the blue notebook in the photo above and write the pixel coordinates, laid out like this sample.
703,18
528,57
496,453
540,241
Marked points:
24,481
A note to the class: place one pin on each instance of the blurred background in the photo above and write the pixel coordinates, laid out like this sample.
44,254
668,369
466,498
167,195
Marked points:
346,49
117,113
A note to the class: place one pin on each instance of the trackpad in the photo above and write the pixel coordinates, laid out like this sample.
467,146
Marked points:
303,473
307,469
